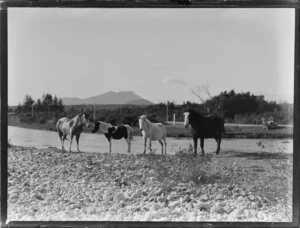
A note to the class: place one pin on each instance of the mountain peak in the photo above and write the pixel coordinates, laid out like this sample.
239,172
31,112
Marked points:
110,97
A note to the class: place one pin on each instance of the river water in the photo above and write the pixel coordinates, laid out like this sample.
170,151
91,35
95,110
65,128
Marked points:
98,143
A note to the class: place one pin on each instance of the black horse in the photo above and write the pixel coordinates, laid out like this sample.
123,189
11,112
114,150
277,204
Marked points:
204,127
114,132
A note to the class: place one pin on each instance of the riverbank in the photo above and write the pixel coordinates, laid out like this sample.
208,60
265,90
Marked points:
46,184
178,130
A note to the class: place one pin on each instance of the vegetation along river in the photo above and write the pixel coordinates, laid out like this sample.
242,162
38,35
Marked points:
98,143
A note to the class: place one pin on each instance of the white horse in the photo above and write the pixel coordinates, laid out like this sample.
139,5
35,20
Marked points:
153,131
114,132
66,126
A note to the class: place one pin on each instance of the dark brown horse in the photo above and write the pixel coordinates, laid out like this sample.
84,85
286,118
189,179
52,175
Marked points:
204,127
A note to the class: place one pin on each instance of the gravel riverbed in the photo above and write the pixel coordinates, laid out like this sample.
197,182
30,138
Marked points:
46,184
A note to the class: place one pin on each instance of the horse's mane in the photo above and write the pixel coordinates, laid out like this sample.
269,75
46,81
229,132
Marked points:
195,113
80,115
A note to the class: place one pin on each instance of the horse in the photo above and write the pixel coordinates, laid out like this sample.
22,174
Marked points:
114,132
204,127
74,126
153,131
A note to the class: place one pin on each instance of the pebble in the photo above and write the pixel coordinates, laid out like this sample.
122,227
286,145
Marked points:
34,175
174,203
99,197
219,197
14,197
118,197
204,197
218,209
237,213
203,206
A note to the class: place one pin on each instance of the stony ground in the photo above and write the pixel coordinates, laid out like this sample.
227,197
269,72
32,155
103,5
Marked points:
46,184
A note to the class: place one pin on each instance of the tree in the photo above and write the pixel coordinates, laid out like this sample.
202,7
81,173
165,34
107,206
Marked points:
201,92
210,105
54,106
39,106
27,103
60,105
19,108
47,99
55,101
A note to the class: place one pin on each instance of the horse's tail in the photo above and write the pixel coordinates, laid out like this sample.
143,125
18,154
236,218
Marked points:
58,126
60,133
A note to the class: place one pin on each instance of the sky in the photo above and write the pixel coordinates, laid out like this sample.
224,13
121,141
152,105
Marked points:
160,54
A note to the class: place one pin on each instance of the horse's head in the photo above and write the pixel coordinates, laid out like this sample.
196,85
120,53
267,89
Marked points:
186,119
96,126
101,126
142,122
85,119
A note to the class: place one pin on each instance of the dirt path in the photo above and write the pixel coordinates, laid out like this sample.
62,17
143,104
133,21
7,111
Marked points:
51,185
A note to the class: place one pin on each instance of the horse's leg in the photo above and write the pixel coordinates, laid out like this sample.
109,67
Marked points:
77,140
129,144
60,134
202,145
145,144
195,145
218,139
62,145
109,145
150,145
162,146
71,140
165,141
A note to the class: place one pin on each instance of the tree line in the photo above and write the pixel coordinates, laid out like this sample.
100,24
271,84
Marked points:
47,103
234,107
242,107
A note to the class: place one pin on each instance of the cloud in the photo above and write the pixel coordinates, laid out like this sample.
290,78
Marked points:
172,81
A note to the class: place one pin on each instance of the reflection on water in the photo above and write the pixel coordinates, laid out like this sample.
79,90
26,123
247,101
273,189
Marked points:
98,143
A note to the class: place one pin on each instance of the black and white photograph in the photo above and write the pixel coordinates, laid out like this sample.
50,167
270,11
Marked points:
150,114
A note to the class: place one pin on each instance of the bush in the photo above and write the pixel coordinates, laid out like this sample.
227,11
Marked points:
42,120
193,169
181,168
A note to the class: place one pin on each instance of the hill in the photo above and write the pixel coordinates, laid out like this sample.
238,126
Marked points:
123,97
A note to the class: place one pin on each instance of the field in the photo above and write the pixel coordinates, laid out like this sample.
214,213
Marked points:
46,184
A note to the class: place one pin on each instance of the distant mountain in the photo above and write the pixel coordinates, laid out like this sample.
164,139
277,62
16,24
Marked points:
140,102
124,97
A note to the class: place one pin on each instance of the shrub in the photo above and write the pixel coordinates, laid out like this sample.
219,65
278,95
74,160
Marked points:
181,168
42,120
193,169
